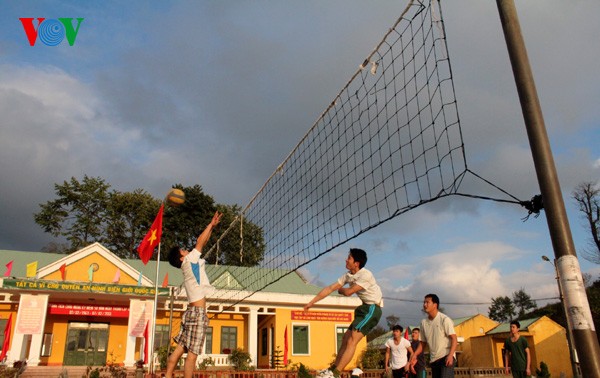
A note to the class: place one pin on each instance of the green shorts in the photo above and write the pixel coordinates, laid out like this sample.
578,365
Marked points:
366,318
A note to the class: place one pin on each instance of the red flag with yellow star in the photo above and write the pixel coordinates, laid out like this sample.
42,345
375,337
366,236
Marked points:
152,238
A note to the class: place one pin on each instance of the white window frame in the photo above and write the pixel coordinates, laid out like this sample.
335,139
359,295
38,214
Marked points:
307,325
337,326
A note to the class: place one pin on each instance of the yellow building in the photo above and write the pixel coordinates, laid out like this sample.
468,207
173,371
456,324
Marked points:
468,329
547,342
91,307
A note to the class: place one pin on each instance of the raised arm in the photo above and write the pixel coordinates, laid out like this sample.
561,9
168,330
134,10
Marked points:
205,235
322,294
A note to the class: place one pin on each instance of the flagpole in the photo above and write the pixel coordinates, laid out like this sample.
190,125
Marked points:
151,338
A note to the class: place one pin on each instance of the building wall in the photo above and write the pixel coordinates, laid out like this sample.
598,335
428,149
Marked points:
322,338
474,351
479,353
550,346
228,320
79,271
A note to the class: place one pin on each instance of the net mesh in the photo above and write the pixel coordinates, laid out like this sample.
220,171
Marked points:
389,142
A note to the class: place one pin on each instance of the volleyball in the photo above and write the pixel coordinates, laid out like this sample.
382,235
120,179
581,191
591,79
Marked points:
175,197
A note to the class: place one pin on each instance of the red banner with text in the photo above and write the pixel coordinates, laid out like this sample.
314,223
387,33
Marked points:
323,316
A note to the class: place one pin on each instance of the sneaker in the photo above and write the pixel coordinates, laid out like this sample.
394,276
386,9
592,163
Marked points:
325,373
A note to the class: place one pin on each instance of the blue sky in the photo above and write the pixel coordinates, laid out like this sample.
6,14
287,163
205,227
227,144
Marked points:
195,92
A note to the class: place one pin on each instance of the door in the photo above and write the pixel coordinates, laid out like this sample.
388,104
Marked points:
86,344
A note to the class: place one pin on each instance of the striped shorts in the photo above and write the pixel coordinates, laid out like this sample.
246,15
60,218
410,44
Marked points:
193,329
366,317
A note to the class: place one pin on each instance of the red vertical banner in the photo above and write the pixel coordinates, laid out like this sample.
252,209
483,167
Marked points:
6,343
285,347
406,333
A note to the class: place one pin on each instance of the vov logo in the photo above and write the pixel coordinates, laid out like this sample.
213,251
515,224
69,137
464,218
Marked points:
51,31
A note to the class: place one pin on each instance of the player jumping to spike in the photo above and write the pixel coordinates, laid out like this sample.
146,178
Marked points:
366,316
194,322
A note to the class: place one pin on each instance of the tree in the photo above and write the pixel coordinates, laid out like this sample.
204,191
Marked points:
128,219
88,211
502,309
523,302
183,224
392,320
587,196
376,332
230,251
371,358
78,213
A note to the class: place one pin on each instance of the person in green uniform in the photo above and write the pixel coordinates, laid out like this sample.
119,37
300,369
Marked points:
517,350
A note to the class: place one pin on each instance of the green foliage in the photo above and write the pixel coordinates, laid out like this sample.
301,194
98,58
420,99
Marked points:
240,360
15,371
277,359
229,247
593,294
163,355
87,211
129,216
502,309
371,358
183,224
391,321
543,371
302,370
79,213
523,302
205,363
376,332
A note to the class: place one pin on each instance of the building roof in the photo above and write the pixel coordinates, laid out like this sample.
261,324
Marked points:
458,321
505,327
221,276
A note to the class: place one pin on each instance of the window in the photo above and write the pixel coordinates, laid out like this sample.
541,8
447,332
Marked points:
208,339
161,336
228,338
264,341
300,340
46,345
339,336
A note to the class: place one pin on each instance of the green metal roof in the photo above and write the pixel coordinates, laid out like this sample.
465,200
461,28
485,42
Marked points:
458,321
505,327
286,281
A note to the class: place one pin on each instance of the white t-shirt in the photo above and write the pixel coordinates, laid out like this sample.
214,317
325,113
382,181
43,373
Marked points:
370,293
399,356
435,333
197,285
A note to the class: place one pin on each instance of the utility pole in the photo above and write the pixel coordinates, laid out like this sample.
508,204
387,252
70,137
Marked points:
572,351
576,302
